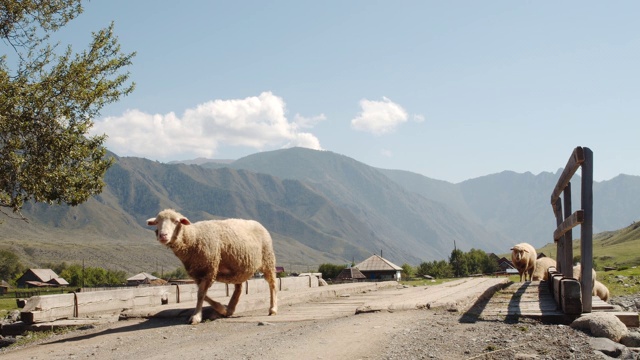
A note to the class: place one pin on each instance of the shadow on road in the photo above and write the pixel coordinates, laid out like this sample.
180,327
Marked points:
531,300
160,321
473,314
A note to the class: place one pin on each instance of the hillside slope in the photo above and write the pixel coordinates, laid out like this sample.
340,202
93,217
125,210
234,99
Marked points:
610,248
318,205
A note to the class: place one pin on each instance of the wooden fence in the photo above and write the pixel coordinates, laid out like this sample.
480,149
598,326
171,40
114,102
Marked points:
581,157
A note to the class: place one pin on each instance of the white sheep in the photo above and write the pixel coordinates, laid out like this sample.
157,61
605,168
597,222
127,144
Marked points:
577,274
523,256
542,265
601,291
229,251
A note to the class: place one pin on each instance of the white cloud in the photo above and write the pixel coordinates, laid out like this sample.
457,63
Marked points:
257,122
308,122
379,117
418,118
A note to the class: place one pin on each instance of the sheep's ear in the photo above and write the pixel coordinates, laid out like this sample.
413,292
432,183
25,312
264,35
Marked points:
152,222
185,221
511,249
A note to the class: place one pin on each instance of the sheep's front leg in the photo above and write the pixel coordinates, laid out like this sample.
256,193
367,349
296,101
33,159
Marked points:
203,286
219,308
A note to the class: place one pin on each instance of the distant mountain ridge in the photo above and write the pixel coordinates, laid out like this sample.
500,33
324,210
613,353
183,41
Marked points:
318,205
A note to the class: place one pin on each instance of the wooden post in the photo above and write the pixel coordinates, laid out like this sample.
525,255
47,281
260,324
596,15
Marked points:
560,242
586,230
567,240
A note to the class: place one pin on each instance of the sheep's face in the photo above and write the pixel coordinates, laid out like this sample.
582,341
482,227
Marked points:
166,226
518,253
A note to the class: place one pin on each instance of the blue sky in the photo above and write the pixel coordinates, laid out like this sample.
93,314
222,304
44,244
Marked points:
451,90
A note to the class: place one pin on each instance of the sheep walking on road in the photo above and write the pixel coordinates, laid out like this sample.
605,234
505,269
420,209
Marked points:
229,251
523,256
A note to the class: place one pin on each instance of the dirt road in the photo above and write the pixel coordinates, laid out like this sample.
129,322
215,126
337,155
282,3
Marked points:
393,323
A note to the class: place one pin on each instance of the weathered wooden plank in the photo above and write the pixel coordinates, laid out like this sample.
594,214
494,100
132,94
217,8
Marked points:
566,241
628,318
575,160
577,218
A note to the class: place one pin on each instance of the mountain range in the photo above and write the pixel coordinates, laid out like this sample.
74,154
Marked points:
318,205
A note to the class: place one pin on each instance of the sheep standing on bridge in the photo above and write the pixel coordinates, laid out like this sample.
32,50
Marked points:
523,256
228,251
540,272
577,274
601,291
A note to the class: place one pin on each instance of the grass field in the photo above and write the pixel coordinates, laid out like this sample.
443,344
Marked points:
7,304
8,300
423,282
628,285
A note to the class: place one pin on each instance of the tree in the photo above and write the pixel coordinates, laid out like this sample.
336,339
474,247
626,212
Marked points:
10,265
330,271
438,269
48,102
407,271
76,275
178,273
479,262
458,262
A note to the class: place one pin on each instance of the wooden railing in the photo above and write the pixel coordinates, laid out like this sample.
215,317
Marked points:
566,221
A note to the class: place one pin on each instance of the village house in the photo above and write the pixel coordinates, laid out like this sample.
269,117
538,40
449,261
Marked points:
350,274
506,267
40,278
4,287
142,278
378,268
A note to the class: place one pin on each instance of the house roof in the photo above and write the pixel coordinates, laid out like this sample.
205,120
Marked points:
377,263
350,273
39,283
141,277
44,274
58,281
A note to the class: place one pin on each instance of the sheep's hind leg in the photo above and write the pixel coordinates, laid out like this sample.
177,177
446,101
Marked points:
270,276
203,286
237,291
